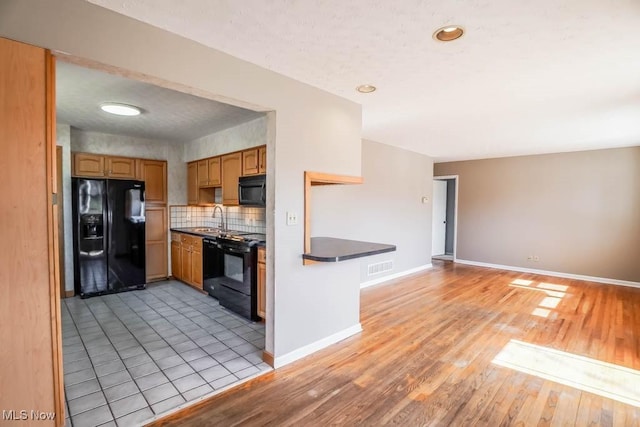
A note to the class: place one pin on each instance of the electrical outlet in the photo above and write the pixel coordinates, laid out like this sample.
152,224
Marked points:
536,258
188,217
292,218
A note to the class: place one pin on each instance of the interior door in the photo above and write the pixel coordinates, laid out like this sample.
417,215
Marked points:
439,227
31,357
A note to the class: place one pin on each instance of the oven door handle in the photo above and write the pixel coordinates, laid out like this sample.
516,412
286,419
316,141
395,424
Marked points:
233,250
264,195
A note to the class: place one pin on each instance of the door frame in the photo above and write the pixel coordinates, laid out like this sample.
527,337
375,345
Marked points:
438,205
456,178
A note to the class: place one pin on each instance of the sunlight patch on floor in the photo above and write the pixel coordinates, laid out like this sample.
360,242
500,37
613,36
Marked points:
601,378
554,293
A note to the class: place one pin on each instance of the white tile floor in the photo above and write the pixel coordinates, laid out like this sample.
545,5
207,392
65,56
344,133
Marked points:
131,356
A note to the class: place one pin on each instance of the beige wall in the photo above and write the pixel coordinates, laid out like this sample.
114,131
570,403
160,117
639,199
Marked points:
578,212
240,137
129,146
386,208
63,139
314,130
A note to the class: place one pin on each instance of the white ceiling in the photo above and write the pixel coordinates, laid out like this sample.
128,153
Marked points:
527,77
167,114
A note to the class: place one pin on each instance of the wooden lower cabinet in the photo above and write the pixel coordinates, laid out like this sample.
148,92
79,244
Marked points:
262,283
186,259
176,260
196,265
156,243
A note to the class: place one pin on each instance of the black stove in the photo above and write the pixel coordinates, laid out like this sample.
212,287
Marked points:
231,277
244,240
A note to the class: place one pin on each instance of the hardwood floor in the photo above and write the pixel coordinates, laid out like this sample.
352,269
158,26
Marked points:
426,356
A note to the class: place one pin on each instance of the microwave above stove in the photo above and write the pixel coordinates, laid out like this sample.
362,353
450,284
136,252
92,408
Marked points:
252,190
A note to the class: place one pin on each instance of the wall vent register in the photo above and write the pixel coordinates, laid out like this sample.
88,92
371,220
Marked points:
379,267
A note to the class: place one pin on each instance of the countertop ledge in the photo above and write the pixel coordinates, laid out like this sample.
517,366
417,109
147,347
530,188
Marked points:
192,231
331,249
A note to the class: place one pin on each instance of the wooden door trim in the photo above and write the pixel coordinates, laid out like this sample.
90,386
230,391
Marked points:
53,237
312,179
60,248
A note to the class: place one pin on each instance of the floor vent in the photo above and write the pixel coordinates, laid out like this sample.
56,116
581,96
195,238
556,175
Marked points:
380,267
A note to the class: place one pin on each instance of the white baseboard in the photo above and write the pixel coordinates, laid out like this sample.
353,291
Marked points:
394,276
280,361
552,273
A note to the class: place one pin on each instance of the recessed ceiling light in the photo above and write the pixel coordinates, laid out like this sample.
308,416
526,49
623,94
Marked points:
120,109
366,88
448,33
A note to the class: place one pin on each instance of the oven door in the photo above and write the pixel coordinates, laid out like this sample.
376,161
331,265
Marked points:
234,284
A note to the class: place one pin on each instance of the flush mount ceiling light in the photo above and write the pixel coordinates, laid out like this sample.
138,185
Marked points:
448,33
120,109
366,88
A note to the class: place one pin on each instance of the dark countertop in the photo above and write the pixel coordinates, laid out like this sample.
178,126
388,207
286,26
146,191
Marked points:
211,232
330,249
198,231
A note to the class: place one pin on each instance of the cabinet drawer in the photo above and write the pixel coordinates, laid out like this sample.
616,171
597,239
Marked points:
185,239
176,237
262,255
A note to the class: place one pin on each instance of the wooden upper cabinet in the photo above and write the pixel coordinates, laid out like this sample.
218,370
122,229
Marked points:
205,176
262,159
203,173
215,176
209,172
250,163
101,166
231,171
192,183
120,167
85,164
154,175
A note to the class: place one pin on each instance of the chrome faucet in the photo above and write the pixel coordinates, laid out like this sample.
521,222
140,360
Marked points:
222,227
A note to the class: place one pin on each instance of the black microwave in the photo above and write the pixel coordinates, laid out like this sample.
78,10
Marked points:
252,190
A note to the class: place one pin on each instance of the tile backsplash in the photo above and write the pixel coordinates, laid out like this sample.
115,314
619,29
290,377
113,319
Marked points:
239,218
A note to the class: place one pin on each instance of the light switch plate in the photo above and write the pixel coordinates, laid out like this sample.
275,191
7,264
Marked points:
292,218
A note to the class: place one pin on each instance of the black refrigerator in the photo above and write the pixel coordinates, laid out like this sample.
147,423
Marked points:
108,236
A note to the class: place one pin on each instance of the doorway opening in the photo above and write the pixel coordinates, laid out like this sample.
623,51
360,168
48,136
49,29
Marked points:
445,218
134,356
